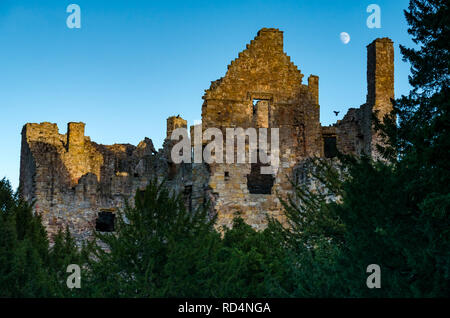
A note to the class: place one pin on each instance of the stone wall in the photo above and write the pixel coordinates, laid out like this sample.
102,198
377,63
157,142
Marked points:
72,178
355,132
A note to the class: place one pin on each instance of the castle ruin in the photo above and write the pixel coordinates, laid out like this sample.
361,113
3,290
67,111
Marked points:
78,183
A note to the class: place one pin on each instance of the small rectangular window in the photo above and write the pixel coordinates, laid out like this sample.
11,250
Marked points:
258,183
105,222
329,147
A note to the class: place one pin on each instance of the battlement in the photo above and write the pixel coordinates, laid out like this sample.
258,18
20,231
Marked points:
43,132
40,131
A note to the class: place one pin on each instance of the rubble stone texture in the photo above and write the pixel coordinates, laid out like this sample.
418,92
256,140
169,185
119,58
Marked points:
72,178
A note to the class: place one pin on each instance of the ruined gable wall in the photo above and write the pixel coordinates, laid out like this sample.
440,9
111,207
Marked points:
261,72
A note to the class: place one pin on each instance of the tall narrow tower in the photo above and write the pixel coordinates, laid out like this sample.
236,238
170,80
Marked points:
380,84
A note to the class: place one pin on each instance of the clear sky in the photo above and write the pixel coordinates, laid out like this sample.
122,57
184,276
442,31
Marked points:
134,63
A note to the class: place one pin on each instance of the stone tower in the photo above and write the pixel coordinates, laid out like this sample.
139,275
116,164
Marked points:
380,84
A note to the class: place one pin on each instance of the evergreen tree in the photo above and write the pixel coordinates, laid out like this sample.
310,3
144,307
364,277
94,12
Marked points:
63,253
395,215
23,248
131,262
423,144
28,268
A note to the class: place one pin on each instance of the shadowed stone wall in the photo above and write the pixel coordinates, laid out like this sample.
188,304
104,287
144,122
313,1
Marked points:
72,178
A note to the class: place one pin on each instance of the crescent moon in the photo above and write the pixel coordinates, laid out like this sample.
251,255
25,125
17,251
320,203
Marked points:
345,37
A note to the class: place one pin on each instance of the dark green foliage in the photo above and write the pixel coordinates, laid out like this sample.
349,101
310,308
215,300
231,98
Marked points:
134,264
247,263
422,142
23,249
28,268
395,215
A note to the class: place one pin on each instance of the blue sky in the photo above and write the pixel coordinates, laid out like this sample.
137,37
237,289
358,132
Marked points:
134,63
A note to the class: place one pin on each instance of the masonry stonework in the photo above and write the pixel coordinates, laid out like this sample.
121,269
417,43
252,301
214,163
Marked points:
72,179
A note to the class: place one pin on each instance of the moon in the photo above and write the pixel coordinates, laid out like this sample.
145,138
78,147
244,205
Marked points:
345,37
